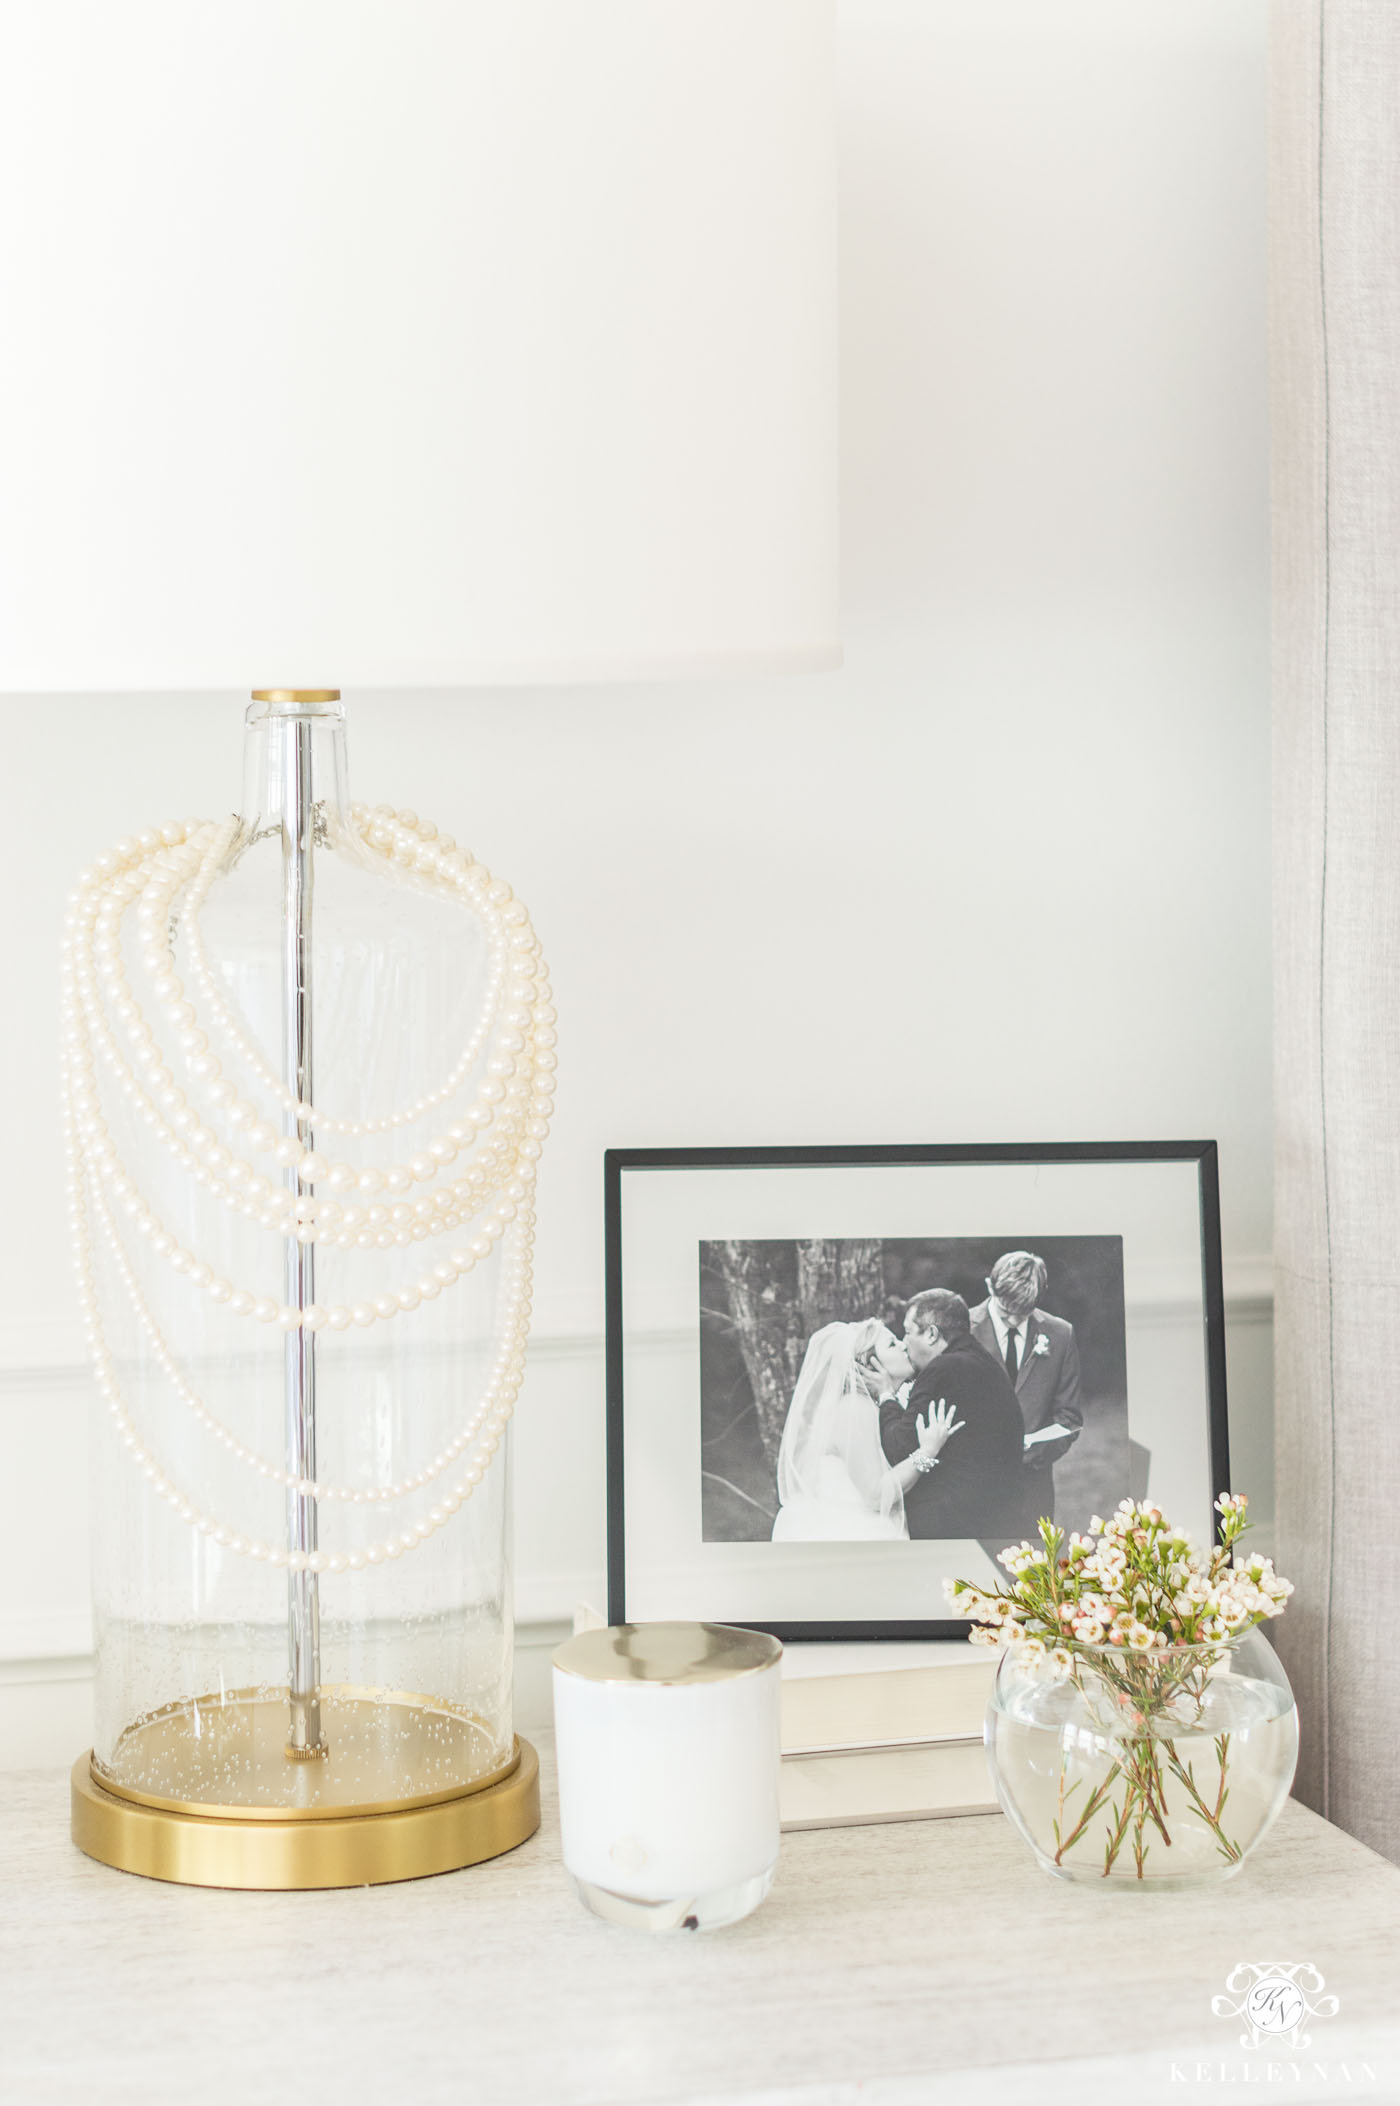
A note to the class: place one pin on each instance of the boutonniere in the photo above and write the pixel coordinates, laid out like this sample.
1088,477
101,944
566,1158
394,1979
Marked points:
1042,1344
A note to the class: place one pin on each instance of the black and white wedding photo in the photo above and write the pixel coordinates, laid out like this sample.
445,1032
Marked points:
897,1389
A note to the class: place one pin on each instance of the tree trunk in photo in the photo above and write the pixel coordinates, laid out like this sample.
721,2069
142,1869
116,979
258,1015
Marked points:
765,1323
837,1282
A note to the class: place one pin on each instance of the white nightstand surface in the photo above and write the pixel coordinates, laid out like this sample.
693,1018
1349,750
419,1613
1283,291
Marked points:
924,1962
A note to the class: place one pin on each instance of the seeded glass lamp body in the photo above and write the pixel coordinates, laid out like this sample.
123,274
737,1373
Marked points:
311,1066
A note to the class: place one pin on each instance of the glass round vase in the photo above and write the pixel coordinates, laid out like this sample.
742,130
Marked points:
1160,1768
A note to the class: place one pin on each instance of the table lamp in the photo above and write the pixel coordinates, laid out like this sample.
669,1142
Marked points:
397,344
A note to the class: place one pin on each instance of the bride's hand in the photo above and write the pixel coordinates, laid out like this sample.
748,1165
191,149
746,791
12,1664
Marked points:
878,1386
936,1427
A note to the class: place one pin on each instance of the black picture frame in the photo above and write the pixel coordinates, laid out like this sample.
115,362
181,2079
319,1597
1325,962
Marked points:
619,1162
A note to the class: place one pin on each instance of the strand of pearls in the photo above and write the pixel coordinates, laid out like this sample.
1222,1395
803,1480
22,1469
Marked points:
384,829
154,868
243,1301
503,1383
518,1048
524,1057
204,1158
109,1388
496,1180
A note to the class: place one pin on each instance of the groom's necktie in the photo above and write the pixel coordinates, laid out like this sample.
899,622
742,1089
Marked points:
1013,1366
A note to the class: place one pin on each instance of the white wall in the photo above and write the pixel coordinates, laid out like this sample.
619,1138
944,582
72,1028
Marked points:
1003,877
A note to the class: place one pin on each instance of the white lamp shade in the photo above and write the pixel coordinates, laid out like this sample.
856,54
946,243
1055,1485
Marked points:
415,342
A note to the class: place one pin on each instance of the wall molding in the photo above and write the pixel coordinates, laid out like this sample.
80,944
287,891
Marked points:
50,1353
46,1634
545,1603
47,1351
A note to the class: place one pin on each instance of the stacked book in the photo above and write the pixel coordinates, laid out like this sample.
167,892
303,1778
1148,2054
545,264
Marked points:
884,1733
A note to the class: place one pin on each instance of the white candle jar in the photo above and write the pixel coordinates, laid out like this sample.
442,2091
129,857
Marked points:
669,1745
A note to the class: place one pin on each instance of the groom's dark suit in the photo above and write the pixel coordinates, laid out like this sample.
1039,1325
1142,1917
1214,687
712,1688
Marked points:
977,1489
1047,1390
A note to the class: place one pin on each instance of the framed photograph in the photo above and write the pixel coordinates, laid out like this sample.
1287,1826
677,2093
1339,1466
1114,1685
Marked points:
837,1376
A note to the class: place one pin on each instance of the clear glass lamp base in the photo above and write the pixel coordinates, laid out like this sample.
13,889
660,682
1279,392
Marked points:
712,1911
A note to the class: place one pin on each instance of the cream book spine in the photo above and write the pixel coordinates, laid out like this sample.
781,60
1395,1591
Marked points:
850,1790
884,1702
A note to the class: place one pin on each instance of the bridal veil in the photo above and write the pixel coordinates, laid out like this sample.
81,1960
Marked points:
833,1414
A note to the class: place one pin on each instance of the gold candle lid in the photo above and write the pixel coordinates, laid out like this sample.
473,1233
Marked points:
296,694
667,1654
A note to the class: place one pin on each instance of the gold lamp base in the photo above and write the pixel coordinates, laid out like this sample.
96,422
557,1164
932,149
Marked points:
364,1847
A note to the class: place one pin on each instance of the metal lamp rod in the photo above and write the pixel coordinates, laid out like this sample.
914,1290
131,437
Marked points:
303,1588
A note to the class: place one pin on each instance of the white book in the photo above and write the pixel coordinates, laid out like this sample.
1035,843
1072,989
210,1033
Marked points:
918,1783
877,1695
874,1695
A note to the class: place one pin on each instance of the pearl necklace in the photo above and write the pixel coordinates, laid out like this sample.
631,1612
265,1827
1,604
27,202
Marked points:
509,931
510,939
401,835
154,868
506,1374
492,1428
97,919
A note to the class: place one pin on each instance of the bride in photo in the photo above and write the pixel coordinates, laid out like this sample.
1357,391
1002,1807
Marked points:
834,1484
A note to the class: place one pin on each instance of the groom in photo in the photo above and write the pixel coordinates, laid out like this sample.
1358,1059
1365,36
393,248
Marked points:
1041,1361
976,1486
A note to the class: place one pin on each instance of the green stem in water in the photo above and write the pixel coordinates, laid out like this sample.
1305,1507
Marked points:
1115,1841
1210,1815
1091,1807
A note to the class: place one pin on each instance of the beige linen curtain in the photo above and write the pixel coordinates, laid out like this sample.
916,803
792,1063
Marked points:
1335,206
